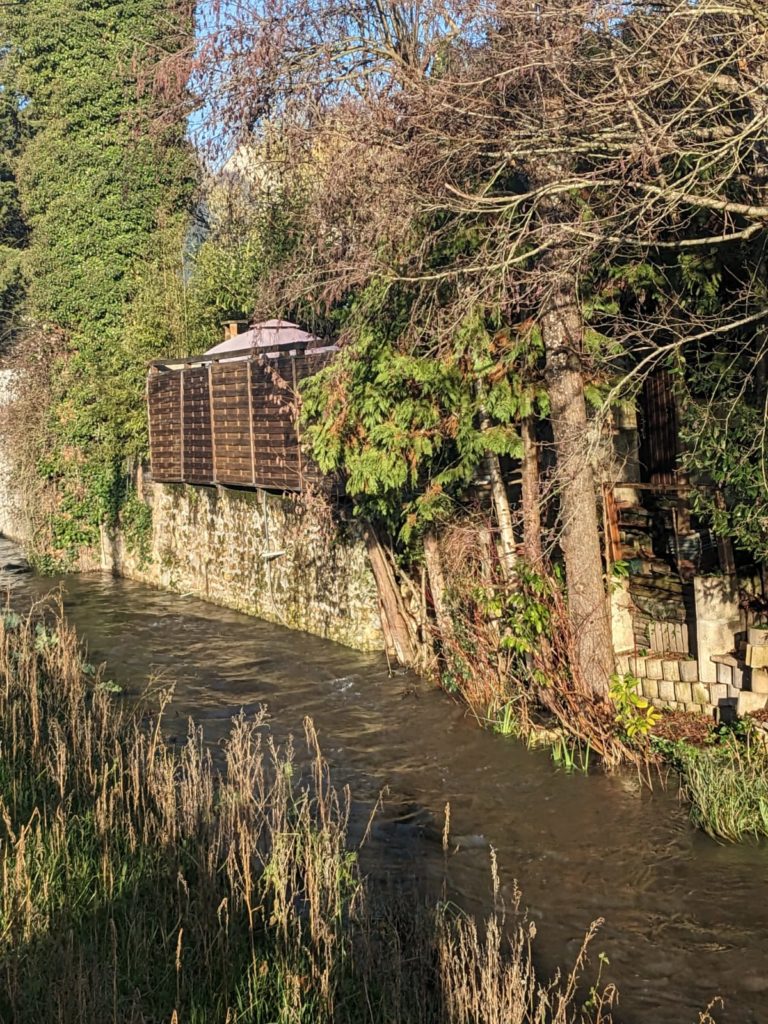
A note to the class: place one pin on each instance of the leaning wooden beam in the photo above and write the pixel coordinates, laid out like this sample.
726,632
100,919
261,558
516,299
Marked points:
393,615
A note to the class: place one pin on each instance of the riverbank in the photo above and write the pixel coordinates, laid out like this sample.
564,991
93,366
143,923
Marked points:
721,767
140,883
684,915
723,771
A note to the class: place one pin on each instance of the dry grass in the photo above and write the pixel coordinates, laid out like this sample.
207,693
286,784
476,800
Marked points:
140,884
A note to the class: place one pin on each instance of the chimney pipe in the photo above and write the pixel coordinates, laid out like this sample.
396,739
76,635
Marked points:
234,327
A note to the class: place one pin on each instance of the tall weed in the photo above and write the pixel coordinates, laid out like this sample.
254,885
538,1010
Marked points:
139,883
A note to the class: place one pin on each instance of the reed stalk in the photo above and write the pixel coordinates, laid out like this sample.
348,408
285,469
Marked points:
143,883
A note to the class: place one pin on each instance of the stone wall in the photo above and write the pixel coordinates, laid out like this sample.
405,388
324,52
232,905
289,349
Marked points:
258,553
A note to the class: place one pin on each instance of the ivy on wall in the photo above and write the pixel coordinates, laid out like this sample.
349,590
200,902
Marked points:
104,185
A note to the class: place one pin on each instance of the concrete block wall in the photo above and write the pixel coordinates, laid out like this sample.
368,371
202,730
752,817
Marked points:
674,682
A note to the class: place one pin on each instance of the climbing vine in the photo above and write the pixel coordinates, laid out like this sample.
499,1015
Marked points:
104,185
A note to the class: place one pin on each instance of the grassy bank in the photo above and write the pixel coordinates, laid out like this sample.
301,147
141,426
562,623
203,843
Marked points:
138,883
723,771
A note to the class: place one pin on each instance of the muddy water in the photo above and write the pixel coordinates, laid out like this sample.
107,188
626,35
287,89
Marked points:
686,918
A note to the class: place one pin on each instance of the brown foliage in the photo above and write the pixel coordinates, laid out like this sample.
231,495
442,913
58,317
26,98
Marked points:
553,134
682,726
490,674
25,430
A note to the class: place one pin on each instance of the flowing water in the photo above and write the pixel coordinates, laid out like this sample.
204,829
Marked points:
686,918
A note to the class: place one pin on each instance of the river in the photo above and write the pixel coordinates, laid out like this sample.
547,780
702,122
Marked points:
686,917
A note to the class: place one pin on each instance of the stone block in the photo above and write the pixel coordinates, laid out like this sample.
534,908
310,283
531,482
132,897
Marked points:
689,671
637,666
649,688
653,668
622,664
757,635
670,670
738,678
693,708
718,619
748,701
702,692
725,674
756,655
683,693
622,621
666,690
720,691
758,682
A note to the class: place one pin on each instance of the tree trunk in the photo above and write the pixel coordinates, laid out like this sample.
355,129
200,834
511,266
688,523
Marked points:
531,495
437,587
561,327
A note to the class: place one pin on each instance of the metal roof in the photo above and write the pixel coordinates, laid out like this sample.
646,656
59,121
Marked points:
269,334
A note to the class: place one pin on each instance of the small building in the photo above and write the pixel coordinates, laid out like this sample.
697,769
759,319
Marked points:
230,416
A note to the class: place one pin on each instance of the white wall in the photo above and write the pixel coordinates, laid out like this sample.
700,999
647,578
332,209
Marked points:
10,513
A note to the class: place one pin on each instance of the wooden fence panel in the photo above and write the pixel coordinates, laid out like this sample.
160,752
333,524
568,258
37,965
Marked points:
660,429
275,443
197,432
231,423
164,397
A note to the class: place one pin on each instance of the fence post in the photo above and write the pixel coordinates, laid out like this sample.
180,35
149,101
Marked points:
181,420
249,365
210,413
148,396
296,420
